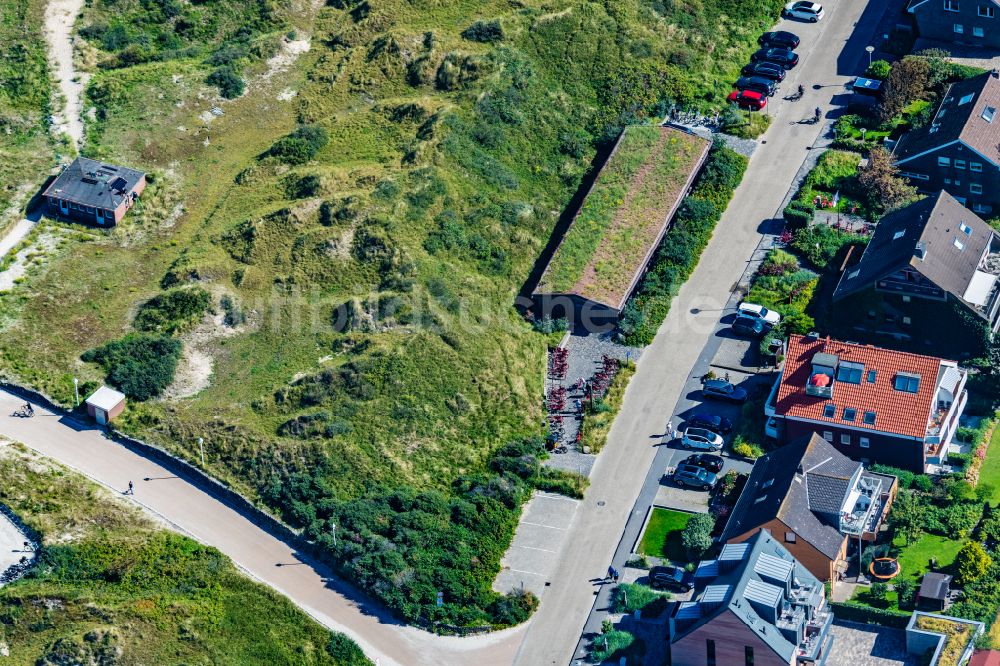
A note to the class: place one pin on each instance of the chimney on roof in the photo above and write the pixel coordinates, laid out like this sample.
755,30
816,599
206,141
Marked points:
995,73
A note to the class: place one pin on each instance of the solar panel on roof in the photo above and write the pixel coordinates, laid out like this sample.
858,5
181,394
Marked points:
89,181
119,183
772,567
762,593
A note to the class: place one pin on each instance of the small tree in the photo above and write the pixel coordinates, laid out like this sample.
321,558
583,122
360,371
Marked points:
877,593
908,516
904,591
882,185
972,563
697,535
878,70
906,82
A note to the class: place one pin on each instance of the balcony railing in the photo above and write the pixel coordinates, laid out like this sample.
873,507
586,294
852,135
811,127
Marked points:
816,631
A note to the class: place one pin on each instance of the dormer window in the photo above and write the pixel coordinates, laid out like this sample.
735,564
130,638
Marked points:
990,111
966,229
907,382
850,372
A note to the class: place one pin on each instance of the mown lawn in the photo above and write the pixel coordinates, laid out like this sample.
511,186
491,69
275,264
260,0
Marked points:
914,559
989,473
662,537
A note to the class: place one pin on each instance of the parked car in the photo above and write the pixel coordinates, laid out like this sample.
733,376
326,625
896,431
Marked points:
701,438
803,10
784,57
748,99
670,578
713,422
758,311
780,38
720,389
696,477
706,461
757,83
750,327
768,70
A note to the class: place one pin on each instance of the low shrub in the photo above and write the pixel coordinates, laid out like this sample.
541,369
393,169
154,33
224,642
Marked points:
173,311
819,244
856,612
631,597
484,31
797,215
140,365
228,81
745,449
300,146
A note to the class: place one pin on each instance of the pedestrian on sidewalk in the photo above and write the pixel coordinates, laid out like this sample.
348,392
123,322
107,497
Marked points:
611,572
617,575
670,429
131,489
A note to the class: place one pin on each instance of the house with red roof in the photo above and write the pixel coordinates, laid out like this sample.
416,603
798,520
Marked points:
874,405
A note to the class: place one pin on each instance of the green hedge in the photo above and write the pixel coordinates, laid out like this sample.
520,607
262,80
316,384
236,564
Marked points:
855,612
682,245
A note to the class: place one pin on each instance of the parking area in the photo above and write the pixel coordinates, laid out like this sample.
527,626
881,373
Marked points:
538,540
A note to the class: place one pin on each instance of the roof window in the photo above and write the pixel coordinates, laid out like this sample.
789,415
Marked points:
869,418
899,234
907,382
871,376
959,244
830,410
966,99
850,372
849,414
988,113
966,229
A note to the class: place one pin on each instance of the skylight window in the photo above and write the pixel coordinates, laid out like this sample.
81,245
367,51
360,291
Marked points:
959,244
966,99
768,483
830,410
988,113
899,234
871,376
966,229
850,414
850,372
907,382
760,499
869,418
853,274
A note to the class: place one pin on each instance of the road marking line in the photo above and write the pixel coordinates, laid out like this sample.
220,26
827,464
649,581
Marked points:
544,550
562,529
545,495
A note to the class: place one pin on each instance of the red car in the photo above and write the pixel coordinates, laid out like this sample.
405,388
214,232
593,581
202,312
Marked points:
748,99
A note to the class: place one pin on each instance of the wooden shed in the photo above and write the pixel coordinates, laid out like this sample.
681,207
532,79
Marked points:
105,404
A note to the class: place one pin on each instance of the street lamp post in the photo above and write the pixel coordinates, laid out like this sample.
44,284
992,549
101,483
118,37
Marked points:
201,448
76,390
870,49
333,530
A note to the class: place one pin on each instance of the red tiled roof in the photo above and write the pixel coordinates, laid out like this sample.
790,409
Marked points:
896,412
985,658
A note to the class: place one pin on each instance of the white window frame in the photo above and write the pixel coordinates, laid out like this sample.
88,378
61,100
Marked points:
975,188
914,176
944,161
977,31
958,29
828,436
959,164
976,166
845,439
865,442
982,208
950,5
986,11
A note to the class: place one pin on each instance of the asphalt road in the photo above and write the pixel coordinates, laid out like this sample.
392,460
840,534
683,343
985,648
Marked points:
832,51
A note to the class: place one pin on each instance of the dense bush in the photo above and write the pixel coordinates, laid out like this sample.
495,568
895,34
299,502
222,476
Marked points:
745,449
879,69
631,597
228,81
697,535
139,365
797,215
173,311
405,545
682,245
300,146
484,31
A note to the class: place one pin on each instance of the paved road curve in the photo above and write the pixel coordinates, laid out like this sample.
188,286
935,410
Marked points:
257,552
831,52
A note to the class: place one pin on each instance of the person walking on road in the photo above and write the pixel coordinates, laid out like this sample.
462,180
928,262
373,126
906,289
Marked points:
131,489
670,428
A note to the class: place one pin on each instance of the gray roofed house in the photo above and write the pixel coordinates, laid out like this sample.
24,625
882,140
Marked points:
959,149
933,249
812,497
762,606
94,192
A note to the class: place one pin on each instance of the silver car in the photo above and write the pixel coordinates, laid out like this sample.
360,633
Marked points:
701,439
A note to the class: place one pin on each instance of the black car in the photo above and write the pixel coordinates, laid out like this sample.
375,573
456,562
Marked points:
757,83
784,57
671,578
706,461
720,389
768,70
750,327
779,38
713,422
